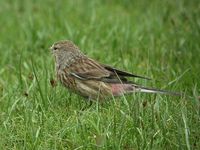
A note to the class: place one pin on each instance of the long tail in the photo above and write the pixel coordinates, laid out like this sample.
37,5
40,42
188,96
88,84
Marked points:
119,89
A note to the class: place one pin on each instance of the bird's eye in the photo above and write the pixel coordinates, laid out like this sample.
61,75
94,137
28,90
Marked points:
55,48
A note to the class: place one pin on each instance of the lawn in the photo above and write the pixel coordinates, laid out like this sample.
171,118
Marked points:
158,39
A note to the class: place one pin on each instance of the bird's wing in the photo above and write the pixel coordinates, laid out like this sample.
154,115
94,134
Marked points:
88,69
123,73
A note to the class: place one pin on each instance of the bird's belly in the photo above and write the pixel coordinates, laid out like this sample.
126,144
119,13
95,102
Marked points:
93,89
88,88
67,81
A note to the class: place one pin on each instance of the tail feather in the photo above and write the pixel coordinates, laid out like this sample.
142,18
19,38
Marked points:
119,89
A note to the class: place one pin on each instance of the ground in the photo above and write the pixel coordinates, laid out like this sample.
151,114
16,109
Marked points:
158,39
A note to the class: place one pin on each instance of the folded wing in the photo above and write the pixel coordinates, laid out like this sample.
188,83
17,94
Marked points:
89,69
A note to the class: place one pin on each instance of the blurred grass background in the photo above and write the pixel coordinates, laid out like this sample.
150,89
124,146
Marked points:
159,39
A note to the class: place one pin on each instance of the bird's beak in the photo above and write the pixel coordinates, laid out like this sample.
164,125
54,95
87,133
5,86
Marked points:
51,48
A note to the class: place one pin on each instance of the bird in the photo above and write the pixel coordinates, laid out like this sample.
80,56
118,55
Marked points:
91,79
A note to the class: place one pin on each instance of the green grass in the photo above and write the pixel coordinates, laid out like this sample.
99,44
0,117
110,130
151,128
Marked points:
159,39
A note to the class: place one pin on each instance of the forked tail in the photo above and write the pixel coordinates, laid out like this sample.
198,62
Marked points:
119,89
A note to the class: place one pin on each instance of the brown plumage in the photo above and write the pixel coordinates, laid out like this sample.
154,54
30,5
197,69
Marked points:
91,79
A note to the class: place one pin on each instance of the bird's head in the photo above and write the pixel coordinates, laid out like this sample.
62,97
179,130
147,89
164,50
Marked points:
64,51
63,47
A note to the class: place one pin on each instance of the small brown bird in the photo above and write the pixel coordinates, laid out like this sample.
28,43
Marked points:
91,79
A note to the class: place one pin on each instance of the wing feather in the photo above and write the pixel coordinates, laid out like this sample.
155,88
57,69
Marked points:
124,73
88,69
